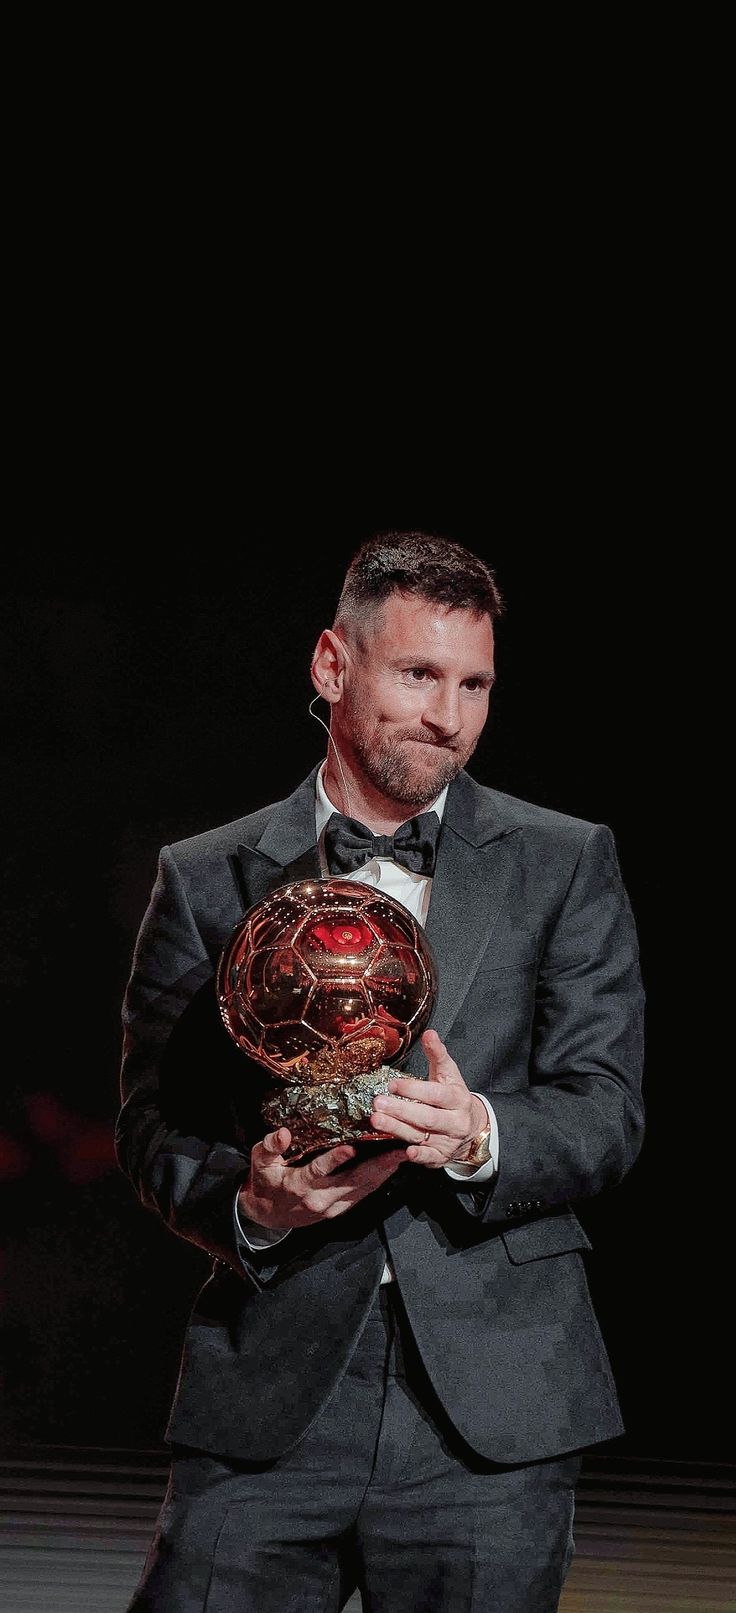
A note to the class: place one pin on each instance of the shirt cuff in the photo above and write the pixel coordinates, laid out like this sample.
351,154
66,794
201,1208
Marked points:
479,1173
256,1237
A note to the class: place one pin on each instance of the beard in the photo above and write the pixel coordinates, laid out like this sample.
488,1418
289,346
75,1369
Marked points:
390,765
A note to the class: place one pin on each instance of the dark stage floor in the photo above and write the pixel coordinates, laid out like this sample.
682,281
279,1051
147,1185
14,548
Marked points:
652,1537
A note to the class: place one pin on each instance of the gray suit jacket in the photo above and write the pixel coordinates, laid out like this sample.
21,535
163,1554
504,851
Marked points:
541,1005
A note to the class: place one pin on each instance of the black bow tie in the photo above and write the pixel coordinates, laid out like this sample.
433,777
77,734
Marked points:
348,844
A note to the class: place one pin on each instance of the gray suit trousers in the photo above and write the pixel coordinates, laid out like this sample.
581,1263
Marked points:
379,1493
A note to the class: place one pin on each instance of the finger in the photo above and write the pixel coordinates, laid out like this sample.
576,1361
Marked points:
373,1169
414,1132
418,1116
352,1186
325,1164
424,1154
434,1092
441,1066
273,1146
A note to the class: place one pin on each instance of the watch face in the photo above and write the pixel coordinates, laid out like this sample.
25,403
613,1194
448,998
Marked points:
480,1151
482,1154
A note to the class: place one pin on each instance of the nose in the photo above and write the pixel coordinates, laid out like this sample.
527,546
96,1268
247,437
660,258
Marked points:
443,712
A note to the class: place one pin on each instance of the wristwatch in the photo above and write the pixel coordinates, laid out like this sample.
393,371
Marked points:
479,1150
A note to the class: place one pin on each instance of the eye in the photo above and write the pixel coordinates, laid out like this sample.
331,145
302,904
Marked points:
417,674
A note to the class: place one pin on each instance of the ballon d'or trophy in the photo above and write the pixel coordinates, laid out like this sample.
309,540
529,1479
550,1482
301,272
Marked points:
327,984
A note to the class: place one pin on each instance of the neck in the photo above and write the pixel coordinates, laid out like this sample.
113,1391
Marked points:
361,800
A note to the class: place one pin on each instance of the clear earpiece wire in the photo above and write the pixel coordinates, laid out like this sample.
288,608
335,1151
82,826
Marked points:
313,713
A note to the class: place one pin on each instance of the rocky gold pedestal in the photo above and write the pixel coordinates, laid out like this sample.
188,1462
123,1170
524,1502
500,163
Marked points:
322,1113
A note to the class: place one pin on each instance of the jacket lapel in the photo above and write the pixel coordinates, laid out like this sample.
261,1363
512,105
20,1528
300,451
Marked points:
287,849
477,851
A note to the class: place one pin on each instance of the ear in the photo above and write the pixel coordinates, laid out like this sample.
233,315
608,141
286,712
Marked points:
328,666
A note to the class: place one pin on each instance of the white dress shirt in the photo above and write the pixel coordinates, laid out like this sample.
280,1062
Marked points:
414,891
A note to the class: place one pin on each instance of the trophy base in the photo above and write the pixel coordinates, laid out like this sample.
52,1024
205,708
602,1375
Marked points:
324,1113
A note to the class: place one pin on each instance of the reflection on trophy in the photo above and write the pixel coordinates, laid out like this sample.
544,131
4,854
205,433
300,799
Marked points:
327,984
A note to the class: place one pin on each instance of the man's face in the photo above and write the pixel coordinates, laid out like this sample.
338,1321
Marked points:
415,696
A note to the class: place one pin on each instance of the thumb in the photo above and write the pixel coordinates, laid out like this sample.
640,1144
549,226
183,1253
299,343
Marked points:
441,1066
273,1147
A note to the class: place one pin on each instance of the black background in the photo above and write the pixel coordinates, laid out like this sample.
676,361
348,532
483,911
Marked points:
229,360
156,648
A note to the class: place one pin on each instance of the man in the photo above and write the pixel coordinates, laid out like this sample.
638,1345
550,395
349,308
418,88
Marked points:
390,1377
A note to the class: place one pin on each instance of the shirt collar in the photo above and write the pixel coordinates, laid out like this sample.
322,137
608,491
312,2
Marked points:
324,807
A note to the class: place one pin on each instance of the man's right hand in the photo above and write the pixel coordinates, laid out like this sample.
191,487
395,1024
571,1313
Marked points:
283,1196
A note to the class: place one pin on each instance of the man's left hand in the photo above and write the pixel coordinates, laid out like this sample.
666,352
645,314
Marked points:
441,1106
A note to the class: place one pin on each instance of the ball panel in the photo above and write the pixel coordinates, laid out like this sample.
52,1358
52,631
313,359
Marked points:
284,1045
330,942
397,982
241,1024
391,1033
276,985
337,1007
277,924
327,898
392,922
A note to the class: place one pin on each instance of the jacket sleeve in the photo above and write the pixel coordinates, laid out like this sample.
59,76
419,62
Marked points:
578,1125
187,1174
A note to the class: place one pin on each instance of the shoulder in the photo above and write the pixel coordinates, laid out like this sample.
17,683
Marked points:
554,847
214,844
542,820
286,826
509,813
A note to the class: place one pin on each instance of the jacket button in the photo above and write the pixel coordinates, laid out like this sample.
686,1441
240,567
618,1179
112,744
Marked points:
512,1209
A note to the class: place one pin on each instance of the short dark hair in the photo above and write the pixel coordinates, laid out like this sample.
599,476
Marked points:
422,563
